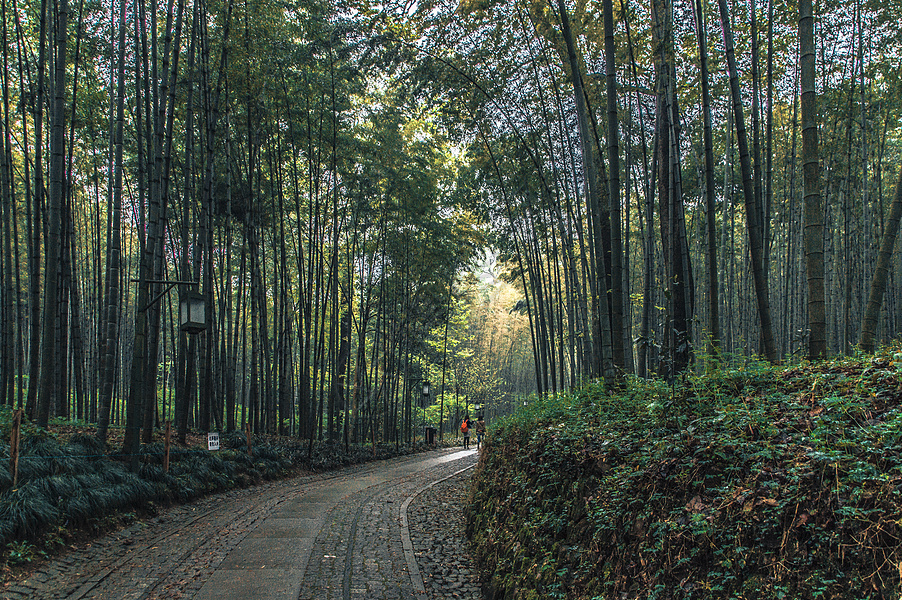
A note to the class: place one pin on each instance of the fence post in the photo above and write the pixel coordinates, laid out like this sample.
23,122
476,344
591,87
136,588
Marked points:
166,442
14,445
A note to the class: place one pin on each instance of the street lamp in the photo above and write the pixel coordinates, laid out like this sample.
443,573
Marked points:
192,312
428,432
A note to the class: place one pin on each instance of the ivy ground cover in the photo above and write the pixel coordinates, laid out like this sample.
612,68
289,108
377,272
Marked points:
748,482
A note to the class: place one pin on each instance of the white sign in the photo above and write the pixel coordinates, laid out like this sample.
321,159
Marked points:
212,441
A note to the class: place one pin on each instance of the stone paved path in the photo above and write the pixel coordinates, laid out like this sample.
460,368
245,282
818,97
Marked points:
342,536
436,518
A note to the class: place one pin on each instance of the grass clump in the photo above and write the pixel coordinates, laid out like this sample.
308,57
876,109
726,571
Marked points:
760,482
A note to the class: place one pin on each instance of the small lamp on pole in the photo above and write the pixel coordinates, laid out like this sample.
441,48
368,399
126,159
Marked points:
429,432
192,312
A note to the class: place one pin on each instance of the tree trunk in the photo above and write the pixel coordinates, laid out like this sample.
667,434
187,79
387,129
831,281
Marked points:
752,209
34,257
613,138
49,389
670,202
881,272
813,238
767,207
605,366
710,221
114,251
8,293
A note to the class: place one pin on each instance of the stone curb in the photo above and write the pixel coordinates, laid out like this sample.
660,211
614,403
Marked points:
412,567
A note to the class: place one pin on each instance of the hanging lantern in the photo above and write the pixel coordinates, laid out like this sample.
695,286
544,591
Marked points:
192,312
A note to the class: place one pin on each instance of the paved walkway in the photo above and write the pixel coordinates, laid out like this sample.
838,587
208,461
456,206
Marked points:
341,536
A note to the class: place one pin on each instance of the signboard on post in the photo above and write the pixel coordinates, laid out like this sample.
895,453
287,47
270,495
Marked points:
212,441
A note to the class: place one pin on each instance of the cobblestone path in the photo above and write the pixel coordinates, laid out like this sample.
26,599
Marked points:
341,536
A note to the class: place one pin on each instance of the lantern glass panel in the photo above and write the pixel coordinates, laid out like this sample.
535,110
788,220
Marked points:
184,311
198,312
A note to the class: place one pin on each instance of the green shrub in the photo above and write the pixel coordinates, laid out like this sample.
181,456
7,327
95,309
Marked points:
752,482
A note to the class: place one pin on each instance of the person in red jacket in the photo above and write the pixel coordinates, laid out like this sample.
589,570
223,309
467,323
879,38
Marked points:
465,428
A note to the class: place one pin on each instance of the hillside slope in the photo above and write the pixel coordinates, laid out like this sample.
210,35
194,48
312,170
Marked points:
755,482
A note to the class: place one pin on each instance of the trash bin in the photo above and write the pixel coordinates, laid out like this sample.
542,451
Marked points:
430,435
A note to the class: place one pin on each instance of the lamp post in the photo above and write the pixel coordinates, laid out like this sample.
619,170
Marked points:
192,318
428,432
192,304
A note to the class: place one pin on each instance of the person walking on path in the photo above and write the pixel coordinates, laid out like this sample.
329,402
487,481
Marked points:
465,428
480,431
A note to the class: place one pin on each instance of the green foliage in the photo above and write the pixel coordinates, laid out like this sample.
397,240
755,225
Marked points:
80,484
750,482
28,429
22,552
25,510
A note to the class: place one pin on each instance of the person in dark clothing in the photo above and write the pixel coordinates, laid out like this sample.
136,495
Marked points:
480,431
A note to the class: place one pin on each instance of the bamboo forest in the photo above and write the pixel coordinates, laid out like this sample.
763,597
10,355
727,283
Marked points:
352,220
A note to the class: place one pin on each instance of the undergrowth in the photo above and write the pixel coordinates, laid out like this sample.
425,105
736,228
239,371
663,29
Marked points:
79,486
757,482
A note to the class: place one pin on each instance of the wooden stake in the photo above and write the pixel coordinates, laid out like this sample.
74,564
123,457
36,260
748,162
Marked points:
166,442
14,445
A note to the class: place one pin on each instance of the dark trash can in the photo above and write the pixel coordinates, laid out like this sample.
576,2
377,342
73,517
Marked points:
430,435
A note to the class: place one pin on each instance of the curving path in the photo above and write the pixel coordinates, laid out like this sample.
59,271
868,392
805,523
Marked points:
343,536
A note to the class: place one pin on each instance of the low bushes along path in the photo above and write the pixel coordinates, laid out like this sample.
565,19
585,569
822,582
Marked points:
344,535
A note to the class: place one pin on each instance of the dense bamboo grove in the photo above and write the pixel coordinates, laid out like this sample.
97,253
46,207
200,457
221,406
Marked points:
498,198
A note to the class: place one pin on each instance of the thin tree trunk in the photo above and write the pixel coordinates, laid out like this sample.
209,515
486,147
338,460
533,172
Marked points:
603,318
49,390
644,206
710,221
613,138
756,138
34,269
8,295
114,251
767,207
813,238
33,264
882,270
670,203
790,300
161,183
756,237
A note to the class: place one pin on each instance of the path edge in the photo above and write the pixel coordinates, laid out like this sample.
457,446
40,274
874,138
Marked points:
412,568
